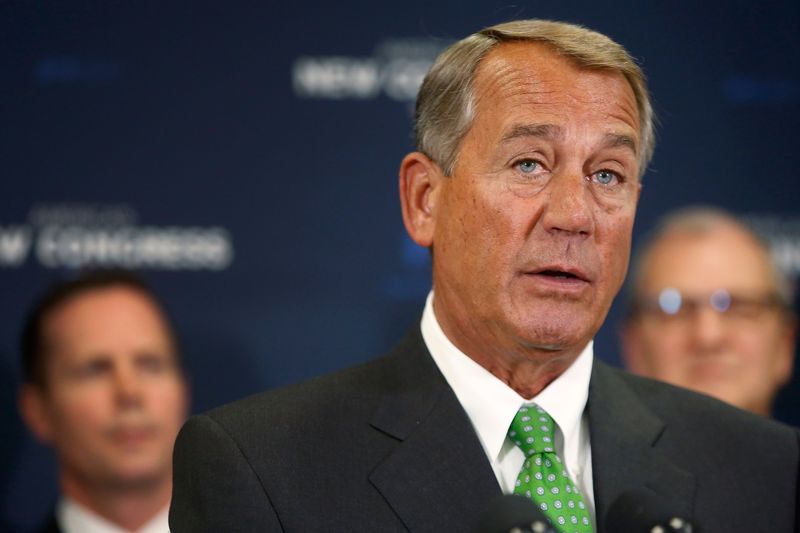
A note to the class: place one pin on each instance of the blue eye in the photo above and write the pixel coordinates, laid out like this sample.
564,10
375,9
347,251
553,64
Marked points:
606,177
528,166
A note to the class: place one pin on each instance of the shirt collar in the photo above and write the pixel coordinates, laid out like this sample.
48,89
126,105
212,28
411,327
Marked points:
491,404
74,517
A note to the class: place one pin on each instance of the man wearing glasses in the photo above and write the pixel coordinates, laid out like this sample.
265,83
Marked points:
711,311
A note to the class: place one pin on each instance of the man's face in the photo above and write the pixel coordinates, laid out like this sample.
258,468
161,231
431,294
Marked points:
532,230
114,398
741,356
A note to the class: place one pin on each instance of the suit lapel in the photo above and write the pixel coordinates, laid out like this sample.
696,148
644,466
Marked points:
625,455
438,476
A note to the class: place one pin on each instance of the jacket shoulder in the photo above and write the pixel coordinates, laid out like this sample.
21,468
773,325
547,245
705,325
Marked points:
332,401
700,414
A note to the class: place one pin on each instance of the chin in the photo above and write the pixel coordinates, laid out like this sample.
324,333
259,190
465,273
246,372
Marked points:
551,336
142,476
144,465
554,325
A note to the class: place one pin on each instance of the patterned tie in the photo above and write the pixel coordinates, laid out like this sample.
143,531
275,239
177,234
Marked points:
543,478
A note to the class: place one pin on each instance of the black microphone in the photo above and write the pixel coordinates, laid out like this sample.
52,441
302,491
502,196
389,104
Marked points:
512,513
642,511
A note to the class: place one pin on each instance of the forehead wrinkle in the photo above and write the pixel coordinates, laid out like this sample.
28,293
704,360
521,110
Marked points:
498,79
506,84
628,114
499,83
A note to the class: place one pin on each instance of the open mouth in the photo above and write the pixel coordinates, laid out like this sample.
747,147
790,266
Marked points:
562,277
558,274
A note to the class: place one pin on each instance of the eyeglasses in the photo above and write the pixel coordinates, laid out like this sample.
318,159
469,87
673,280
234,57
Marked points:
672,304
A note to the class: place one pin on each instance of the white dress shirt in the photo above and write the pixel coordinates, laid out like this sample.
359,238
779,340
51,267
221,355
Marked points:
75,518
491,406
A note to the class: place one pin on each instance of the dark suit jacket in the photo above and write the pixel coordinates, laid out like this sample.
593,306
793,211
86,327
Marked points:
50,525
386,446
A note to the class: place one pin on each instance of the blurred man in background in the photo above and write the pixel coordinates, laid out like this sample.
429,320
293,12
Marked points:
711,311
104,387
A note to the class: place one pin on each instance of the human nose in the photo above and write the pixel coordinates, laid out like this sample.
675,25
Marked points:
568,209
708,328
128,388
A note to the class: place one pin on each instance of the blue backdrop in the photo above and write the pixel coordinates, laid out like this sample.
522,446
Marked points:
244,155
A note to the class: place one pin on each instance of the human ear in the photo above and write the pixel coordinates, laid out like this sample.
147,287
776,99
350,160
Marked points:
34,412
419,182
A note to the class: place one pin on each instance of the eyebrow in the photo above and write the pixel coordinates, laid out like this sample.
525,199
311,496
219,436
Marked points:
615,140
545,131
551,131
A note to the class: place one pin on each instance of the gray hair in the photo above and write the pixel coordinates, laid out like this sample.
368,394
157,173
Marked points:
446,101
700,221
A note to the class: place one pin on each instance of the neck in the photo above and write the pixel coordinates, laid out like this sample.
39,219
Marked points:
763,408
528,376
524,367
129,507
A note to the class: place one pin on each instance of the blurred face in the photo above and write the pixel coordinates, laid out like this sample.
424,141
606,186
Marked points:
532,230
742,355
114,398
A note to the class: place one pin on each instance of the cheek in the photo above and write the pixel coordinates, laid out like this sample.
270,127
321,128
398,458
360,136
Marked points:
666,347
81,413
615,253
168,393
757,345
618,265
476,228
501,244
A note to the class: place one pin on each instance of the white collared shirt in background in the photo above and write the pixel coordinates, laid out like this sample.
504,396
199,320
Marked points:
491,406
75,518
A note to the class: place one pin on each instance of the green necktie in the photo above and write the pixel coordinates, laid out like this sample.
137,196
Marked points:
543,477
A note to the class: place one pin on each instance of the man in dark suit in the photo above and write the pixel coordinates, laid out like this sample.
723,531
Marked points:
104,387
532,137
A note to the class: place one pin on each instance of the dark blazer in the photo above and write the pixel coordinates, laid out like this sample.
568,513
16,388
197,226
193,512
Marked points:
386,446
50,525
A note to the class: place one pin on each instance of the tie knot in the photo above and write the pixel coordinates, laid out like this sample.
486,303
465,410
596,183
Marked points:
532,430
